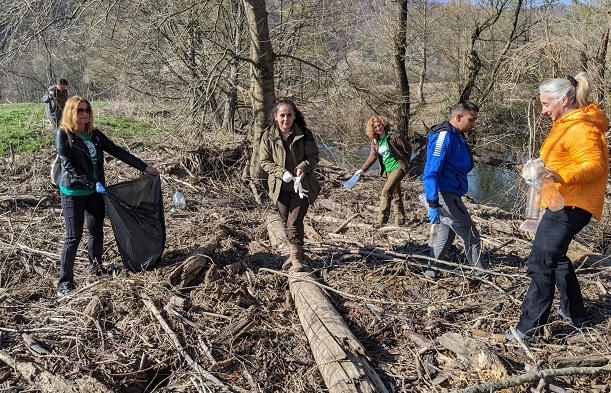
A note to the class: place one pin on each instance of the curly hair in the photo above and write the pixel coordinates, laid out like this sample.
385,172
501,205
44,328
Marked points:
376,119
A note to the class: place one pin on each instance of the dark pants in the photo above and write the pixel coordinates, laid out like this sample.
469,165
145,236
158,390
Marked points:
548,265
77,210
293,209
391,193
56,117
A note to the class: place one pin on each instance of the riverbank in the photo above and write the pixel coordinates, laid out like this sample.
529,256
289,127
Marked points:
236,321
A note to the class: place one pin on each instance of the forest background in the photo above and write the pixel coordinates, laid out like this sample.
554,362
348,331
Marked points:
210,68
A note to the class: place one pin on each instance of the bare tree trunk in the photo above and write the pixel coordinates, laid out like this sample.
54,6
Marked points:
401,81
423,52
500,59
474,65
262,76
232,91
341,358
601,56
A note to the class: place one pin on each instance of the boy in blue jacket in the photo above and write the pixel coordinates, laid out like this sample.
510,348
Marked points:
448,160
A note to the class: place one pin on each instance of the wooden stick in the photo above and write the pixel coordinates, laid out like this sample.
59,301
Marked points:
339,229
533,376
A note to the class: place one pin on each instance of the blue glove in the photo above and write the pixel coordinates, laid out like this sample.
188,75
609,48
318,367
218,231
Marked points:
99,188
434,214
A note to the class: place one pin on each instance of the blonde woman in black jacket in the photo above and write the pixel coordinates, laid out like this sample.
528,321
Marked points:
81,148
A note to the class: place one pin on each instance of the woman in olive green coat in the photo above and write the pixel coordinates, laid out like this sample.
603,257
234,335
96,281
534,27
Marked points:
289,154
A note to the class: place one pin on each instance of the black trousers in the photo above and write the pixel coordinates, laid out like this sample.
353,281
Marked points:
77,210
293,209
548,266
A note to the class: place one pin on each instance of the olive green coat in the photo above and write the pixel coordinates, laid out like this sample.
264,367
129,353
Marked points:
305,155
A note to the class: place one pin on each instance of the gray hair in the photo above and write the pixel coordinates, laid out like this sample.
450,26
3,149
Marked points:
576,89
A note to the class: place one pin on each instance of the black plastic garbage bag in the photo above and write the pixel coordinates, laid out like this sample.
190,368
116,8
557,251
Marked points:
135,209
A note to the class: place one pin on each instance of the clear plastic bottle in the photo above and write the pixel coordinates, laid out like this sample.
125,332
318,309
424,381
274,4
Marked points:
433,232
533,203
179,200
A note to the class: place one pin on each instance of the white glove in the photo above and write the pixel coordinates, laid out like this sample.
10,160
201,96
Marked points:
299,188
358,172
287,177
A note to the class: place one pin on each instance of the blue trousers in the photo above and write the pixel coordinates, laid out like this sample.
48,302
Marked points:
549,267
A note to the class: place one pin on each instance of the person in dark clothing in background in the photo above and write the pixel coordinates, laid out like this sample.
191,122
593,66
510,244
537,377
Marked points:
55,99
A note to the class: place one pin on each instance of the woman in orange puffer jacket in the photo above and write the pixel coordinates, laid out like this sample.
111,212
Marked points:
577,159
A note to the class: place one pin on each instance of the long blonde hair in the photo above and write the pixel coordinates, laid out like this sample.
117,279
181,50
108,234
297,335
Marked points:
69,121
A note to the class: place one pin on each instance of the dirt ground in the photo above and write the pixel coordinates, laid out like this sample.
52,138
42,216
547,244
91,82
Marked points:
234,320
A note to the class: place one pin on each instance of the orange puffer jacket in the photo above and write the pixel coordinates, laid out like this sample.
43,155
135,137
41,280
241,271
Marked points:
576,149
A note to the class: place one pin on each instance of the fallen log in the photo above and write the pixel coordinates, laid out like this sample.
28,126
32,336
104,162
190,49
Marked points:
47,381
185,273
30,200
340,357
578,361
275,232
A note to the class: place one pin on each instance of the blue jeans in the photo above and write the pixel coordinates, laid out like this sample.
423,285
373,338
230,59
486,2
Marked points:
78,210
548,266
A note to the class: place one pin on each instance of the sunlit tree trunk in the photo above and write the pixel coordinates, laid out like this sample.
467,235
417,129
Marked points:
262,92
401,81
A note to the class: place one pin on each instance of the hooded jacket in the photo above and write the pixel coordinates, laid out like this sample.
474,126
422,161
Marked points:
576,149
448,161
400,149
77,166
304,149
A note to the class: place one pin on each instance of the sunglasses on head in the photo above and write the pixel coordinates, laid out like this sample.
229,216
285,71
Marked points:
82,110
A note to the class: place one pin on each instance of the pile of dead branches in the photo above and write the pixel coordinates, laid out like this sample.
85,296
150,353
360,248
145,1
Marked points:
217,315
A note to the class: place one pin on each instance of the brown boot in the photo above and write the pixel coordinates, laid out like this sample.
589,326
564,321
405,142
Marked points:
295,260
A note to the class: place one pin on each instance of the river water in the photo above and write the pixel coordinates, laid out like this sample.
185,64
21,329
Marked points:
501,187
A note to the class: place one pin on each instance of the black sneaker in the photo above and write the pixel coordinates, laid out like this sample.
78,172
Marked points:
577,322
100,271
65,288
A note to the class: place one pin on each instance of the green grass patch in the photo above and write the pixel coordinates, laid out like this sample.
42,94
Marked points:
24,128
126,125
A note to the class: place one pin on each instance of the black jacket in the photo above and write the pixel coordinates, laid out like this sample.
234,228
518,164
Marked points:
77,166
